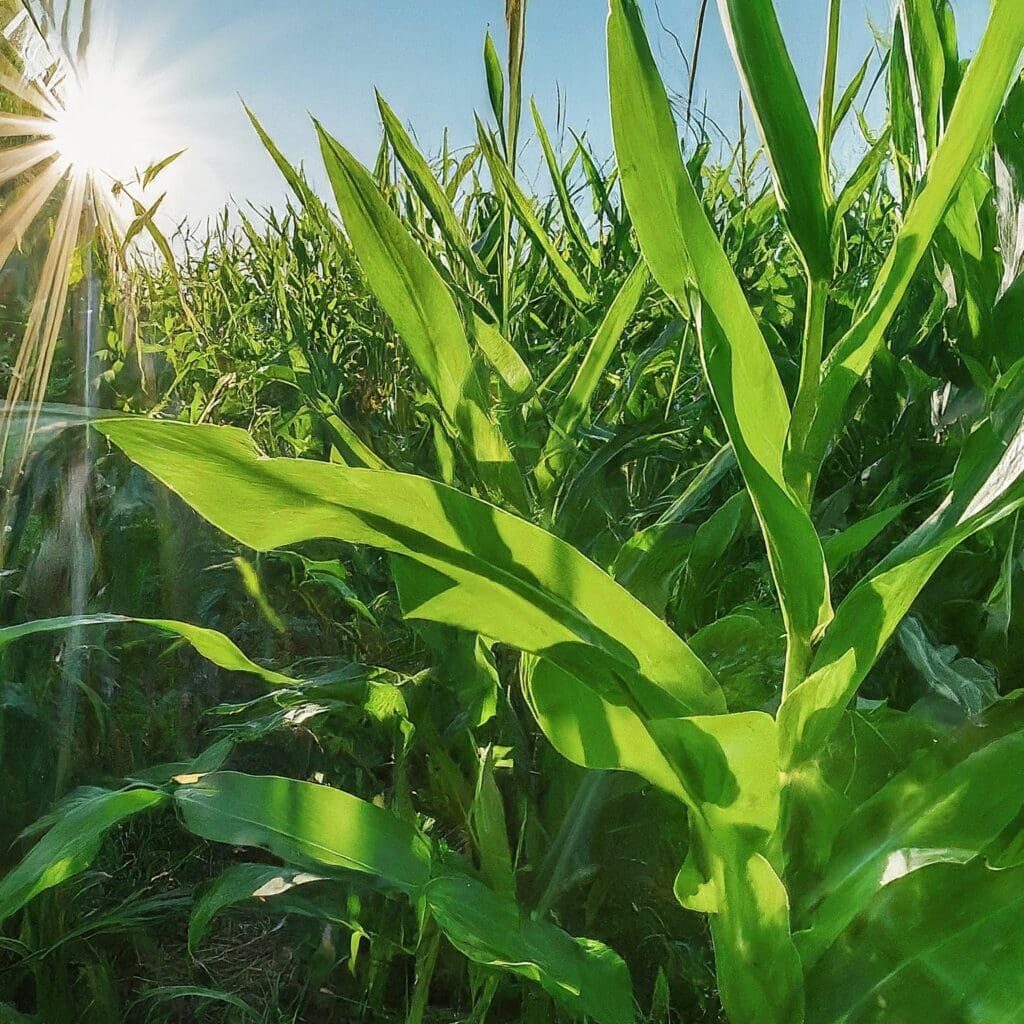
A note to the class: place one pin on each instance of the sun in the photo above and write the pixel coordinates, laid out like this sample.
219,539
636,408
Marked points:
105,127
87,122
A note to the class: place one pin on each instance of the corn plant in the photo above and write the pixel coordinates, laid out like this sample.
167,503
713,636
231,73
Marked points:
851,858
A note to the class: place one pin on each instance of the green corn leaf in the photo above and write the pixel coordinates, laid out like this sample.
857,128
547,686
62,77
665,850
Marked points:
926,815
785,125
794,550
902,120
154,170
941,943
351,447
729,766
601,184
515,23
863,175
416,298
522,206
294,179
712,540
678,240
570,218
490,830
170,993
969,129
986,488
209,760
945,20
71,844
488,571
736,810
725,769
652,559
926,65
238,883
826,102
960,680
747,656
428,189
502,355
842,546
573,408
305,824
583,976
211,644
661,202
850,94
323,828
592,732
757,965
495,84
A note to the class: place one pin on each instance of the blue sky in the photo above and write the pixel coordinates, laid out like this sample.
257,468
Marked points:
290,57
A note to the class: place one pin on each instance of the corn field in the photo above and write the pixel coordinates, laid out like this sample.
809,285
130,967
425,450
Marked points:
454,599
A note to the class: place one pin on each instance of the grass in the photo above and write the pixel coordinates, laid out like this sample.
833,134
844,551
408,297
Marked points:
637,561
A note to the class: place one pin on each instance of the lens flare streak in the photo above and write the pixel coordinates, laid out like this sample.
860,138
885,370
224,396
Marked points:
77,125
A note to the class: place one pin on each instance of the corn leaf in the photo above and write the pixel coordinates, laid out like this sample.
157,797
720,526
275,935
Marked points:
570,218
652,559
675,234
969,128
428,189
592,732
573,408
986,488
495,84
502,355
72,843
929,814
581,975
725,769
926,65
757,964
416,298
211,644
240,882
785,125
918,945
515,23
489,572
305,824
324,828
291,175
522,206
849,95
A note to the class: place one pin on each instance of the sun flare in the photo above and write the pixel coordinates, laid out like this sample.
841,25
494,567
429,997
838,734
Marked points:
86,124
104,126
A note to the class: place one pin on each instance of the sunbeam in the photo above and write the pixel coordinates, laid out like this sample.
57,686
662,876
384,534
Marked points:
85,125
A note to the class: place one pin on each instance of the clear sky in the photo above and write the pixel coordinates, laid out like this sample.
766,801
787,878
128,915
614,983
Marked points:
289,57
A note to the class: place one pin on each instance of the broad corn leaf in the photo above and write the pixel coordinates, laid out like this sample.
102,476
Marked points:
485,570
306,824
327,830
785,125
941,944
986,488
70,846
211,644
418,301
679,243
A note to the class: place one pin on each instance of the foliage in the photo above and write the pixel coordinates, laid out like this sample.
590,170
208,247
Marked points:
697,521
